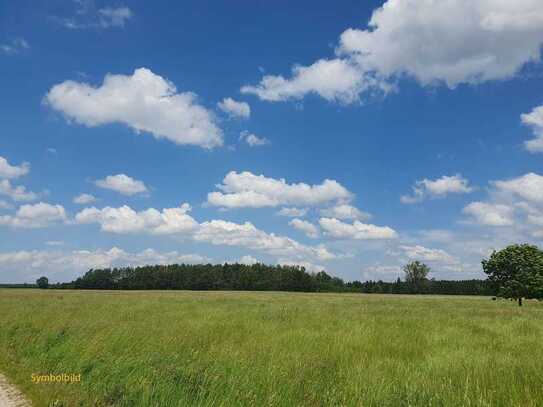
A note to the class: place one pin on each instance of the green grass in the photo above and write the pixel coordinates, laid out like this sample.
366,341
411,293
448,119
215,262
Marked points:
268,349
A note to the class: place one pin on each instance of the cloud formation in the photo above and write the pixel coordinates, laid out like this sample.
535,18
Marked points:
306,227
234,108
35,216
438,188
534,120
253,140
246,190
123,184
143,101
27,265
465,42
357,230
177,221
84,199
13,171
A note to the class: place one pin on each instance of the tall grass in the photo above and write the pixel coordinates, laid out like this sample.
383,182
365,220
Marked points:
276,349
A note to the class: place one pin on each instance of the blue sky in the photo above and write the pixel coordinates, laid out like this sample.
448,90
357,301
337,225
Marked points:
386,131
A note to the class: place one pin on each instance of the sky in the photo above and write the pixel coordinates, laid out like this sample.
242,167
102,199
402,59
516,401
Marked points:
349,137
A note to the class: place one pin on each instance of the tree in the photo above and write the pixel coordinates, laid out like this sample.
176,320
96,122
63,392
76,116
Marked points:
42,282
416,274
517,271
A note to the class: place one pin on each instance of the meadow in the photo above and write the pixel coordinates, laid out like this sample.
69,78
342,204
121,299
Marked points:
179,348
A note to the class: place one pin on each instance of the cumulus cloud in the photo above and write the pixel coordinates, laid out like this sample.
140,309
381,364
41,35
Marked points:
357,230
17,193
242,190
26,266
534,120
84,199
13,171
220,232
292,212
466,42
177,221
38,215
306,227
5,205
343,212
490,214
253,140
422,253
123,184
234,108
143,101
528,186
127,220
438,188
332,79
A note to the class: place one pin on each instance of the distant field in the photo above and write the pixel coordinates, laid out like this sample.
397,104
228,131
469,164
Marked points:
284,349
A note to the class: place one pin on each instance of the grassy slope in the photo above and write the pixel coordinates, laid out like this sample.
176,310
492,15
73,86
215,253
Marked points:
216,348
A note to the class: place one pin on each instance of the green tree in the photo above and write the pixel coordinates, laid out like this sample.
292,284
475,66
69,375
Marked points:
416,275
517,271
42,282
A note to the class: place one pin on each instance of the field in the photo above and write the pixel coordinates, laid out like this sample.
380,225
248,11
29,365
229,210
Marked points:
284,349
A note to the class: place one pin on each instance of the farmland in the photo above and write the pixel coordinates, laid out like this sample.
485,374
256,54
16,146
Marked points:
178,348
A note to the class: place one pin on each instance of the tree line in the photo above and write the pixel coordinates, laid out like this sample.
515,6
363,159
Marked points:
258,277
515,272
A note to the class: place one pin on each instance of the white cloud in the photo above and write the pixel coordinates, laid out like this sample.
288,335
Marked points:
357,230
123,184
255,191
5,205
38,215
177,221
429,255
248,260
309,267
127,220
114,17
84,199
145,102
306,227
464,42
234,108
220,232
253,140
13,171
344,211
534,120
490,214
26,266
334,80
528,186
292,212
17,193
438,188
15,46
87,17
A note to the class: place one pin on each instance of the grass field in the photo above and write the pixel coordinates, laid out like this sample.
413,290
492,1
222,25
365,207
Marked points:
267,349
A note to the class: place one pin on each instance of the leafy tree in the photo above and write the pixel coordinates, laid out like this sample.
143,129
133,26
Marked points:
517,271
416,274
42,282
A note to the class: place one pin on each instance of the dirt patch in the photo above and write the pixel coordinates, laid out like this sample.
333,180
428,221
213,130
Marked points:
10,396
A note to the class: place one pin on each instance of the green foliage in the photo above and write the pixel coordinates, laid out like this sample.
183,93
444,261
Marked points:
42,282
176,349
416,276
258,277
517,271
